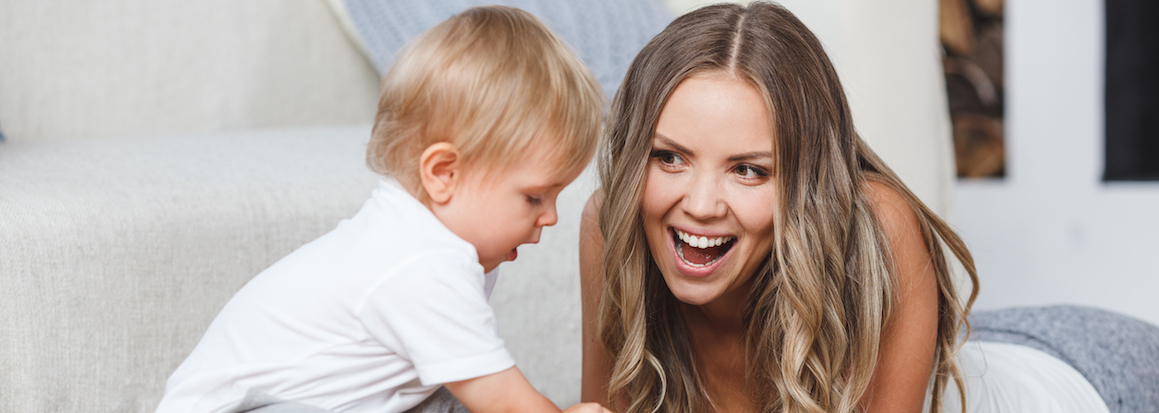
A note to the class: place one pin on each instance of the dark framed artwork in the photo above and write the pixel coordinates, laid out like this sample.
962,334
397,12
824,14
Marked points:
1132,91
972,38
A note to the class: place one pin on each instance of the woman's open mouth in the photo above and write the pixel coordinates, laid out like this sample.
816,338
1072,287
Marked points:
700,251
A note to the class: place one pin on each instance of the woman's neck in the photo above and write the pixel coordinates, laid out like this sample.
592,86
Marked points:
716,318
718,346
722,315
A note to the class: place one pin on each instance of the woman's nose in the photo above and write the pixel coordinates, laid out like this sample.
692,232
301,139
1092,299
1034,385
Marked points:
705,199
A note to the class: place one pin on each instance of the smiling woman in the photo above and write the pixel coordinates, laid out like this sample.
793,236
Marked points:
747,251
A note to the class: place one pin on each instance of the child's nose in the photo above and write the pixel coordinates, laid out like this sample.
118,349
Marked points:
549,217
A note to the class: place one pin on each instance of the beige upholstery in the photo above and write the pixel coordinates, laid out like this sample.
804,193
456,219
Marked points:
123,68
117,253
133,201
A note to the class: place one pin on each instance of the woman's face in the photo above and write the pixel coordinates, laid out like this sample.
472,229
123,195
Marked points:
709,193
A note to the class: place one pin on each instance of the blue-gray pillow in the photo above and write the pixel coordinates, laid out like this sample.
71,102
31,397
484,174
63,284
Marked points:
605,34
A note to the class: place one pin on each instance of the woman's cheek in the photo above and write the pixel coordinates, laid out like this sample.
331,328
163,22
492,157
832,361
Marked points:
759,211
655,188
665,184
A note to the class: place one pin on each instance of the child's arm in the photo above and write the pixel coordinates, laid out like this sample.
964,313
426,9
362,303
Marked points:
508,391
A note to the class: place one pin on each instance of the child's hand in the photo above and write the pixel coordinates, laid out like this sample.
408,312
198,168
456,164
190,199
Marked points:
586,408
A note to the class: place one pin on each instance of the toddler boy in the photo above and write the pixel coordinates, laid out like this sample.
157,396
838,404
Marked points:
482,121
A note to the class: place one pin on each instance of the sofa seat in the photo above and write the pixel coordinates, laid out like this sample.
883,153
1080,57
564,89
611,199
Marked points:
117,253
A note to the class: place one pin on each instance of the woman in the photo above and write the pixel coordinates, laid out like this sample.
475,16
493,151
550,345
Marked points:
746,250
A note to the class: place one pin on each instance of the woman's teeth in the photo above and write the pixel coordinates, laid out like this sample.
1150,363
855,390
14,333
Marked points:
701,242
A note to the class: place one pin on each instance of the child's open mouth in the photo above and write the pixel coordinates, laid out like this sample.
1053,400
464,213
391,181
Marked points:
698,251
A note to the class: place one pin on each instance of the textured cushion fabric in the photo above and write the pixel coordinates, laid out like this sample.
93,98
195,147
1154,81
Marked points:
126,68
117,253
606,34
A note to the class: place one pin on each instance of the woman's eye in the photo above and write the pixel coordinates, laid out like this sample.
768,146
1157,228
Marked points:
749,171
667,158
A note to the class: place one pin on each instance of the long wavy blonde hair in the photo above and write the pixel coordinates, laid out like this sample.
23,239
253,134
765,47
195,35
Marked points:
819,305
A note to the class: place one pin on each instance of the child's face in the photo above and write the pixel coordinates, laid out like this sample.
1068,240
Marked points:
498,212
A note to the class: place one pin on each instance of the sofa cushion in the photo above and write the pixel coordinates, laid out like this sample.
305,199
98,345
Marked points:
117,253
605,34
124,68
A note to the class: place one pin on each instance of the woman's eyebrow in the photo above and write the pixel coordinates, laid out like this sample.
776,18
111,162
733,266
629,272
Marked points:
748,156
668,142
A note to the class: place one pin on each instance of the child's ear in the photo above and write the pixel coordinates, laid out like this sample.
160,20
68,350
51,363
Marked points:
440,169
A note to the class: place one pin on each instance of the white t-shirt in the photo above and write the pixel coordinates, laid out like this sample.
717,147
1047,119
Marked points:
1009,378
372,316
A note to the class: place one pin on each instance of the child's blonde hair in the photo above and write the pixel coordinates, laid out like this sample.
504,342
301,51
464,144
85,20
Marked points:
494,82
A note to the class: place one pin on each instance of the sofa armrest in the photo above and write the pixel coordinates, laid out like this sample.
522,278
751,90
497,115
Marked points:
117,254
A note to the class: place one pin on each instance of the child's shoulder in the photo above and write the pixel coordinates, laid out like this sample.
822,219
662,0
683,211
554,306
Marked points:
391,231
395,228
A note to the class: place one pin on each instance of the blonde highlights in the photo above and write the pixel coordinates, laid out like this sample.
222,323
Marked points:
494,82
820,304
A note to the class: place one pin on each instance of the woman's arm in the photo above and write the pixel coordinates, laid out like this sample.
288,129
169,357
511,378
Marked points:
596,369
908,342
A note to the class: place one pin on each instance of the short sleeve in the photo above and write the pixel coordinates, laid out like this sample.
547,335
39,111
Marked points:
434,312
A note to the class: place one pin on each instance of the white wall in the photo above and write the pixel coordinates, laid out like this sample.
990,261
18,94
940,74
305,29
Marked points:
1052,232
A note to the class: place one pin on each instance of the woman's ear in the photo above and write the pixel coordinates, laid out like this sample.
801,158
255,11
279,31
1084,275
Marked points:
440,170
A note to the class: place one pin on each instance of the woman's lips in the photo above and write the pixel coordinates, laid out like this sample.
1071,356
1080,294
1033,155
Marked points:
695,261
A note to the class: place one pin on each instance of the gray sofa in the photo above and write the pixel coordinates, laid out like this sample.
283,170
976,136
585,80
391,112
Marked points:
161,153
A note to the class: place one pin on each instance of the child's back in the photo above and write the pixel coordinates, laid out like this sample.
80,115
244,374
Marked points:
305,328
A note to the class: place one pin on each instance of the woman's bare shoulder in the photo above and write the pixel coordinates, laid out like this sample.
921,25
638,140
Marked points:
596,369
909,341
895,213
591,214
909,249
591,240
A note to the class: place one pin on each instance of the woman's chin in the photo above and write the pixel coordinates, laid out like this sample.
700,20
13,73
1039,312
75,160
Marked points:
690,294
692,287
694,300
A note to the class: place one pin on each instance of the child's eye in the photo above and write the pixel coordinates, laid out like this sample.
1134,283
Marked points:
534,200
